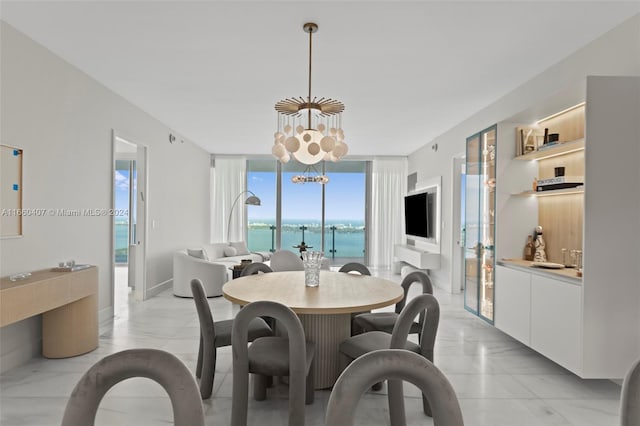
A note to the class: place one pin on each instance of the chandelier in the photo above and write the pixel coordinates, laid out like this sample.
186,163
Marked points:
309,129
308,176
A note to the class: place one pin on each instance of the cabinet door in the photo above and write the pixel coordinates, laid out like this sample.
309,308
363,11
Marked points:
555,321
513,303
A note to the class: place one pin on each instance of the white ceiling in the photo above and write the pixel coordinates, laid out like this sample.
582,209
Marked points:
406,71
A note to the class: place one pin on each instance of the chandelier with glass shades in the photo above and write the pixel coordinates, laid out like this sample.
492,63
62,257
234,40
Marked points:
309,129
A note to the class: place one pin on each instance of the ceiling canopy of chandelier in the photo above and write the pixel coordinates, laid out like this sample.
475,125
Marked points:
309,129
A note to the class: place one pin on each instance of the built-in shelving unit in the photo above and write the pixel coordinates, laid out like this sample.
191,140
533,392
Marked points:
587,324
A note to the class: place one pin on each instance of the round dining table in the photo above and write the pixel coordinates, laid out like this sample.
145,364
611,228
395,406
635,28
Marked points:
325,311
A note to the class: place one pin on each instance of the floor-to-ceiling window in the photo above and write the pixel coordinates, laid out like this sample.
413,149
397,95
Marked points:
345,201
262,181
328,217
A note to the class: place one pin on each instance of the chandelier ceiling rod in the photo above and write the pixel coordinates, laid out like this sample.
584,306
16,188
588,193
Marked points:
311,28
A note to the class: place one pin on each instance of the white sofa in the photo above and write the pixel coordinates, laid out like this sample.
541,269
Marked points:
209,264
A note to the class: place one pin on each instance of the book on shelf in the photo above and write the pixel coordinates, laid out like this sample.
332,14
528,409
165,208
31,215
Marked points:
560,182
561,179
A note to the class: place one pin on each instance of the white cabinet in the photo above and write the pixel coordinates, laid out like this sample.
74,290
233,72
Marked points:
421,259
556,321
513,304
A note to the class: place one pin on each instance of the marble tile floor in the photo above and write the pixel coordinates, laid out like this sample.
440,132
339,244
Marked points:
499,381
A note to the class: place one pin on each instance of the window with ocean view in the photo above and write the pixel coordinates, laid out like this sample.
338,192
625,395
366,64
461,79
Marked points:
344,215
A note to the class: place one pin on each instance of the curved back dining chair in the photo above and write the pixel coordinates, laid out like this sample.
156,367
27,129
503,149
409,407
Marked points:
160,366
355,267
358,345
385,321
285,260
255,268
395,365
630,397
271,356
215,335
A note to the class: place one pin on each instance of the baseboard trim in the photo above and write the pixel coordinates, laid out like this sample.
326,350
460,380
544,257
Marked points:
159,288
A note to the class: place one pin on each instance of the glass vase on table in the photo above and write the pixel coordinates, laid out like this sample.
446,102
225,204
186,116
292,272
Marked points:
312,261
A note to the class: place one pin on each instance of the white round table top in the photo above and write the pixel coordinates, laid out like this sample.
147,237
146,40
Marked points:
338,292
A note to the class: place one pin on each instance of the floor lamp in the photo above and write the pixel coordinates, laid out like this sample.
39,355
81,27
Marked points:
251,200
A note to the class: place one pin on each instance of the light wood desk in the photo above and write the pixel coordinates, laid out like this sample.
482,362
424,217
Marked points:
325,311
68,302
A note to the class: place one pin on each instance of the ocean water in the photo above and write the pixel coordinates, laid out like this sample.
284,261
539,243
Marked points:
347,239
122,242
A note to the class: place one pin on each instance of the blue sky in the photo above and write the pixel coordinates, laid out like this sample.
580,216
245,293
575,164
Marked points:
345,194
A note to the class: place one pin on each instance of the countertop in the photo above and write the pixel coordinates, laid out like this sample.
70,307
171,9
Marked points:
567,274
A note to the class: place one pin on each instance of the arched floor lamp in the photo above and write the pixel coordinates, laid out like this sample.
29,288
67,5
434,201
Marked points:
251,200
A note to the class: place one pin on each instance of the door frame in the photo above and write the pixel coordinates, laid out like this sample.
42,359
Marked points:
457,245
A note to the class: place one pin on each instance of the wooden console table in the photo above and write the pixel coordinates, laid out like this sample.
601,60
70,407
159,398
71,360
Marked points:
68,302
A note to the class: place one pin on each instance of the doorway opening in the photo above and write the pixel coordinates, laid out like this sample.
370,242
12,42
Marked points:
128,223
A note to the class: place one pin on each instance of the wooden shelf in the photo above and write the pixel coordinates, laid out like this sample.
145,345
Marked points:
560,149
576,190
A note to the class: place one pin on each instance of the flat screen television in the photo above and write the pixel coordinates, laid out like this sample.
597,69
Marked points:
420,215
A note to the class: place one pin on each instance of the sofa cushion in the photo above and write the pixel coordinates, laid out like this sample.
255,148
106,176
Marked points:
199,253
230,251
215,250
241,247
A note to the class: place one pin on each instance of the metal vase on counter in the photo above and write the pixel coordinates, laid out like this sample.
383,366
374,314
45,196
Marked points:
312,261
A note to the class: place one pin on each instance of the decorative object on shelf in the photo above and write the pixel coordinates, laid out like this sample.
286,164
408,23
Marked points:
528,139
554,137
70,267
546,136
528,248
322,138
548,265
558,171
540,254
20,276
312,261
252,200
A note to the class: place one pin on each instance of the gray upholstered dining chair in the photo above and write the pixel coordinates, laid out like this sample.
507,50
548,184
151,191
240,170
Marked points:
285,260
630,397
215,335
255,268
395,365
355,267
271,356
385,321
358,345
157,365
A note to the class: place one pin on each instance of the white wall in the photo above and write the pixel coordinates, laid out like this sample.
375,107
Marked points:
63,120
615,53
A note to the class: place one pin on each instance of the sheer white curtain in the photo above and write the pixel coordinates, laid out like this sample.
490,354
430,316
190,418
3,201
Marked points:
388,188
228,180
